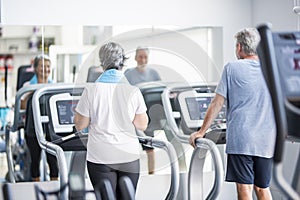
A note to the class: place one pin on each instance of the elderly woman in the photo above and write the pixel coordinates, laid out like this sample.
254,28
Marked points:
42,69
112,109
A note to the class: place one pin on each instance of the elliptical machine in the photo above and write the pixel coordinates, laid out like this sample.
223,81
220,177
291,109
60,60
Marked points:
280,58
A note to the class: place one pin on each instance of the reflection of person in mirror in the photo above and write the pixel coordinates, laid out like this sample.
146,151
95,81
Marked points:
251,128
140,74
42,68
112,109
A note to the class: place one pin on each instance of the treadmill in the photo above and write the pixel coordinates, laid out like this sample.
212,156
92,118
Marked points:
185,107
21,160
279,53
60,101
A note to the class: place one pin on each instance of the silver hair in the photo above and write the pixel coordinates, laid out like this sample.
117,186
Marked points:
112,56
40,57
248,38
140,48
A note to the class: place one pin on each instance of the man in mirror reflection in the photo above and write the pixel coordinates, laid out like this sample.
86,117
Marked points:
140,74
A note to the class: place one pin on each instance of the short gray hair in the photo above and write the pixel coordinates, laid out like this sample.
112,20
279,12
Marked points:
140,48
112,56
40,57
248,38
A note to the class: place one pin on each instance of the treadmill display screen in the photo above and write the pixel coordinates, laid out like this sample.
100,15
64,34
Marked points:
66,111
197,107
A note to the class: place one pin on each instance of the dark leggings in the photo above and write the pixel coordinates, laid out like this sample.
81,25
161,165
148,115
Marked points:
35,153
112,172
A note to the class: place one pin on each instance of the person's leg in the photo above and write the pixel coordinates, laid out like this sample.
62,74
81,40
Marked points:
52,162
149,152
240,171
263,173
35,154
263,193
151,161
244,191
180,151
132,171
100,172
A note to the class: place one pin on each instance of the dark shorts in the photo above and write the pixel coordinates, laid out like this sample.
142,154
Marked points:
146,133
246,169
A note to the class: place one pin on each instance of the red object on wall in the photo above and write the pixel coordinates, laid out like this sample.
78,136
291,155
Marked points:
6,59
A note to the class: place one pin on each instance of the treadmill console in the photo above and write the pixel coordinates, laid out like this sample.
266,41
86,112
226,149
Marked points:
62,107
194,106
287,51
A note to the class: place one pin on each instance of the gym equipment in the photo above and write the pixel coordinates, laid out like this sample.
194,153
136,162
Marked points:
64,97
279,54
185,107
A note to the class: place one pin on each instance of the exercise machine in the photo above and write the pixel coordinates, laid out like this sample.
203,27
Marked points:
279,53
60,100
185,107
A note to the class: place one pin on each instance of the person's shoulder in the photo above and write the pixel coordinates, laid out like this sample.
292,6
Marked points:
232,65
150,69
129,71
26,83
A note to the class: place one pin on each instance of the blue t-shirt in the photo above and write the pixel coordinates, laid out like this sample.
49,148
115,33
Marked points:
135,77
251,128
34,80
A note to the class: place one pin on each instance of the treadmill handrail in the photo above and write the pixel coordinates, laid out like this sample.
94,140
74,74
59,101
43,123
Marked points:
49,146
168,147
169,116
19,95
206,144
15,126
201,142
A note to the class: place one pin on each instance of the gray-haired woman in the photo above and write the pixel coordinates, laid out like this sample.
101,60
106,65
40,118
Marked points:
112,109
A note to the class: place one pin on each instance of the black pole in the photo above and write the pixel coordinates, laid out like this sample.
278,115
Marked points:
74,72
5,83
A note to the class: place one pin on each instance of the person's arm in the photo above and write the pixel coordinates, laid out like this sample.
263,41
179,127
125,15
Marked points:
25,97
23,103
81,122
140,121
212,111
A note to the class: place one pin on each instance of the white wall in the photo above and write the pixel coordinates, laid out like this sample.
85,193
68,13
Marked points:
278,12
232,15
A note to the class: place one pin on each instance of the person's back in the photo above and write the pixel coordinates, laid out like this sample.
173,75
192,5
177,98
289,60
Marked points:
251,128
247,93
111,124
112,109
